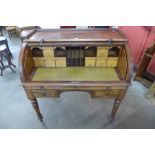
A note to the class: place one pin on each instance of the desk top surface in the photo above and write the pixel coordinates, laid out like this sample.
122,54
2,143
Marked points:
75,74
48,35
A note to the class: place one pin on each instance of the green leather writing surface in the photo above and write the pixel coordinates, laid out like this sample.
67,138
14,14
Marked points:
75,74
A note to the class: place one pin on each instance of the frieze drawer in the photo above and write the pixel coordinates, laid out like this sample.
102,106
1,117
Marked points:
45,93
106,93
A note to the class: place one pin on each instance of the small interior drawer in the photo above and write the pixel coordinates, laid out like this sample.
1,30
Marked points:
90,61
112,61
101,62
60,62
48,52
49,62
102,51
39,62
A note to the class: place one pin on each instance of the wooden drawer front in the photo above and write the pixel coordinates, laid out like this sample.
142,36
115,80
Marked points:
106,93
48,52
44,93
114,92
102,51
49,62
101,93
39,62
112,61
101,62
90,62
60,62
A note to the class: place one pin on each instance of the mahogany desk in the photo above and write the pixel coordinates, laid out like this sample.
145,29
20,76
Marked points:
54,61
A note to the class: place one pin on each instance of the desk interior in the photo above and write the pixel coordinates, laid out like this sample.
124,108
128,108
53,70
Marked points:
74,74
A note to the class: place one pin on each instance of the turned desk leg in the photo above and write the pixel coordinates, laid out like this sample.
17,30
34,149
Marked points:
117,104
36,108
114,109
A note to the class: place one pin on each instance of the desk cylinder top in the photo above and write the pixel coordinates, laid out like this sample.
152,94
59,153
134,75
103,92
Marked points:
75,35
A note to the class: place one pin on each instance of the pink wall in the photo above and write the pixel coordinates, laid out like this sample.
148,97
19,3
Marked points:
140,38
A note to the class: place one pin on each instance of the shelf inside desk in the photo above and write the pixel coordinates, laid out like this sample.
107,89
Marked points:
75,74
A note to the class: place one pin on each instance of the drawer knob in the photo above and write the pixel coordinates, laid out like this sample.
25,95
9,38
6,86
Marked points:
45,94
41,87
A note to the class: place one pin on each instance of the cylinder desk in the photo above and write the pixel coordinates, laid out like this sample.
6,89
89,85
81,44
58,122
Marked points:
53,61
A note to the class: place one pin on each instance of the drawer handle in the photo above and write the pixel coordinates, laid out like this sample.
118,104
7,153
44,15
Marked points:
45,94
108,91
41,87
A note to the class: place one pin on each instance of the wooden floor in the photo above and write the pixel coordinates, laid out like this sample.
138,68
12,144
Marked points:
75,74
